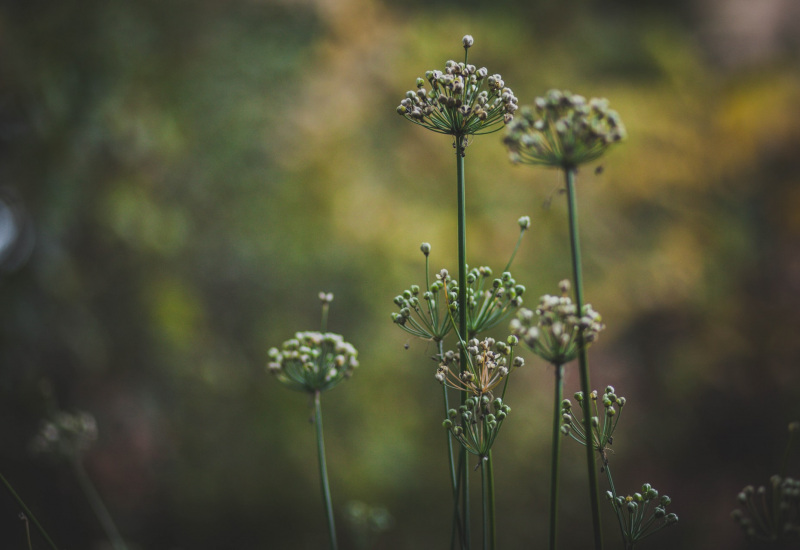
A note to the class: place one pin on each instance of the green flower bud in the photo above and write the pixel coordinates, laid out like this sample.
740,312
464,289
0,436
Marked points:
524,222
426,248
672,518
666,501
447,424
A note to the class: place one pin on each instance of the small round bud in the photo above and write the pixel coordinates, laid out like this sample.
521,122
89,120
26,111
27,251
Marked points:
512,340
467,41
672,518
447,424
665,500
426,248
524,222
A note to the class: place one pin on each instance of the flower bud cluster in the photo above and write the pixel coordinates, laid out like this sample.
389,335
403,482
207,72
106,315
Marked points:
427,316
66,435
489,304
602,435
553,331
488,365
476,423
563,130
642,514
462,100
770,513
313,361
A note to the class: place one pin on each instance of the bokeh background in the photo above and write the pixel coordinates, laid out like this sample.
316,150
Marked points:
178,181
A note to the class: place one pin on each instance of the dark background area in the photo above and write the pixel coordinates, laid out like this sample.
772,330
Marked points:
178,181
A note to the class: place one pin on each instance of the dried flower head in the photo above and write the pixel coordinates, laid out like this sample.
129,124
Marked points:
641,514
487,366
460,101
563,130
67,435
476,423
552,331
313,361
770,513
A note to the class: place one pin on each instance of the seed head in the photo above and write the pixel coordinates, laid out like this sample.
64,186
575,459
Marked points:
563,130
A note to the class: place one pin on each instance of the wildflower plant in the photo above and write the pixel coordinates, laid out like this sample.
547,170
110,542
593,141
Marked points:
771,513
461,101
641,514
69,436
315,362
562,130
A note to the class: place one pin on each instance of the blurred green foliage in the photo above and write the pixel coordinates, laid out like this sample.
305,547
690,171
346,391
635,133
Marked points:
195,172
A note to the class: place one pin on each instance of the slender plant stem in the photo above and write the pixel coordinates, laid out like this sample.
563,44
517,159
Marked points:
492,516
98,506
323,471
28,512
583,360
456,530
462,309
485,503
555,459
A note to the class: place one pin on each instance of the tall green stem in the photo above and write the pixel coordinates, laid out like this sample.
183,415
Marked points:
456,528
583,360
556,454
462,309
485,504
28,512
323,471
492,517
99,508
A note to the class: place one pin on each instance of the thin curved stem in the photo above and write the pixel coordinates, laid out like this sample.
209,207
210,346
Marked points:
28,512
583,360
323,471
99,507
555,459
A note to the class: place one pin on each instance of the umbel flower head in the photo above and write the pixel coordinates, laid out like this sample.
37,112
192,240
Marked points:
552,331
460,101
642,514
487,365
770,513
476,423
563,130
428,317
602,435
313,361
67,435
